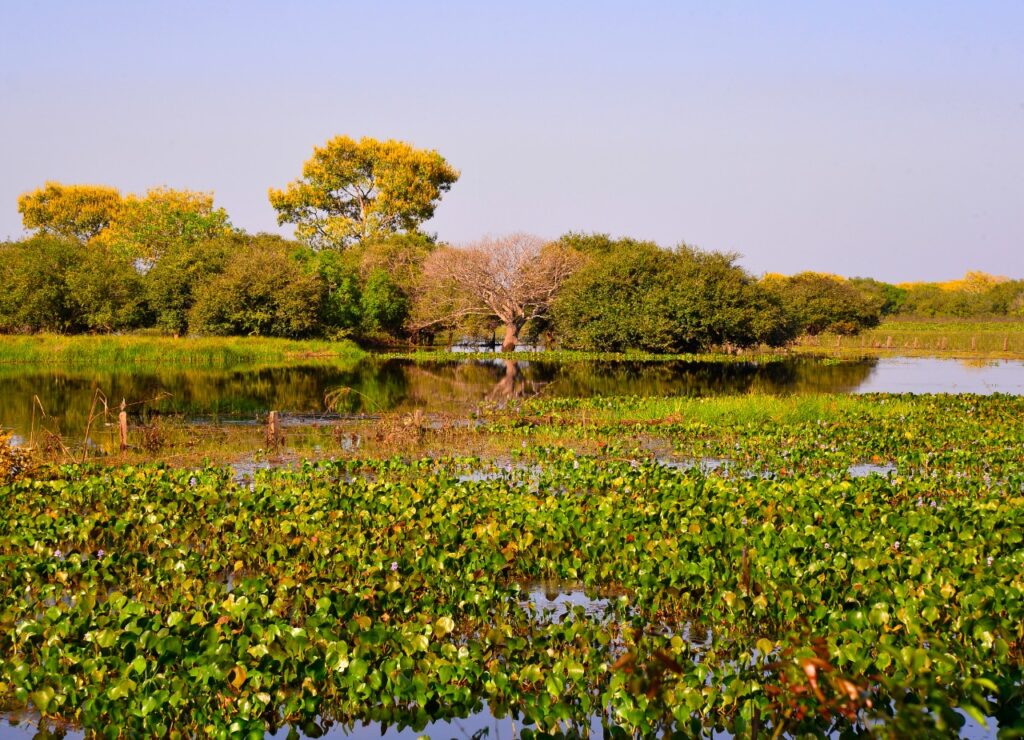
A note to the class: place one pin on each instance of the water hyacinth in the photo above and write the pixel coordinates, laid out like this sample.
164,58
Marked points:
580,589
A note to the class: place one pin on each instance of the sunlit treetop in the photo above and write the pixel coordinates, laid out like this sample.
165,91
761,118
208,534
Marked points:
147,226
75,211
352,190
973,281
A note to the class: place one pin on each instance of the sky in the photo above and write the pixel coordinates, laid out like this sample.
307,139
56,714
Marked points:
869,138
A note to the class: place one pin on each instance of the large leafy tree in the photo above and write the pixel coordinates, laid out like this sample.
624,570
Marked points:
351,191
634,295
77,212
146,227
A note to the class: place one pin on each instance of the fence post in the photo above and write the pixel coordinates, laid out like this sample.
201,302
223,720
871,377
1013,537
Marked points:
974,343
273,431
122,425
1006,344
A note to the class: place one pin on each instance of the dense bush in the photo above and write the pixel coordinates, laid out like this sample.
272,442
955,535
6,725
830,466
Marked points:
36,295
107,291
172,281
825,303
635,295
264,290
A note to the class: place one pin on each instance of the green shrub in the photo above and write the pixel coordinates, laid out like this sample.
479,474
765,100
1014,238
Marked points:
36,294
263,291
634,295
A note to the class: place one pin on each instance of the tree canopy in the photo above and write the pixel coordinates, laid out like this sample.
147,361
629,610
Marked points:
351,191
74,211
147,226
635,295
512,279
819,302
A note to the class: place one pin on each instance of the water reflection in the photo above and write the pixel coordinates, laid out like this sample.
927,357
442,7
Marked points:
376,385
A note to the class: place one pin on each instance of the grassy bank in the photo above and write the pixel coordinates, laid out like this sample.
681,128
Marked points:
564,356
938,337
129,350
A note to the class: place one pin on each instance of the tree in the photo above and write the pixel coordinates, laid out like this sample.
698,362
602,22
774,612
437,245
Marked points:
825,303
351,191
107,291
263,291
634,295
73,211
148,226
889,297
512,278
171,283
36,294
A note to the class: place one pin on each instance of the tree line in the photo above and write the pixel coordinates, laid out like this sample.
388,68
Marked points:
170,261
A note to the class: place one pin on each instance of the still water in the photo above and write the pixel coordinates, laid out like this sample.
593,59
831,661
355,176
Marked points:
375,385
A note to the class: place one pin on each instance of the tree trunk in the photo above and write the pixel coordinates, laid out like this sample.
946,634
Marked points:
511,338
509,386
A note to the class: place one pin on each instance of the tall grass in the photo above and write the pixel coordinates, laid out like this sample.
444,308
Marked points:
718,410
938,337
130,350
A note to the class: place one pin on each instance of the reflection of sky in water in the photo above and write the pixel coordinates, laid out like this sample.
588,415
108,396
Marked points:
935,375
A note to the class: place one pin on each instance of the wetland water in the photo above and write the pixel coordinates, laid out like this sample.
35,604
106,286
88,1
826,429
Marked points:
379,385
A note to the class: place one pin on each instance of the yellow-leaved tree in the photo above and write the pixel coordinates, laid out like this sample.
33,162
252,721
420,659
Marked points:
75,211
351,191
148,226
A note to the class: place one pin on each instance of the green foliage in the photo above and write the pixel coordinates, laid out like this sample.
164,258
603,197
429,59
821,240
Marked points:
384,306
340,310
139,599
171,282
636,296
172,352
147,227
36,295
263,291
931,300
108,291
825,303
890,298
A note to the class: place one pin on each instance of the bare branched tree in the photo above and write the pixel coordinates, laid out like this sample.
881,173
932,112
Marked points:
511,278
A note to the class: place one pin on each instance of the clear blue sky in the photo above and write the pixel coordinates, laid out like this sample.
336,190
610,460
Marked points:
868,138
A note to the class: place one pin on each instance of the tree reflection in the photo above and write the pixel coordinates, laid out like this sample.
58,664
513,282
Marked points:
455,387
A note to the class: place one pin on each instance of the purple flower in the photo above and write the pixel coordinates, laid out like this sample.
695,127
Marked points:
58,554
192,481
896,545
394,566
990,560
101,552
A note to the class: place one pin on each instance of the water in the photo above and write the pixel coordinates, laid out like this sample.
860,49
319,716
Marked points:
373,386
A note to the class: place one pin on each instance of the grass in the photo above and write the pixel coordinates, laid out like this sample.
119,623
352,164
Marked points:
922,337
744,409
134,350
565,356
